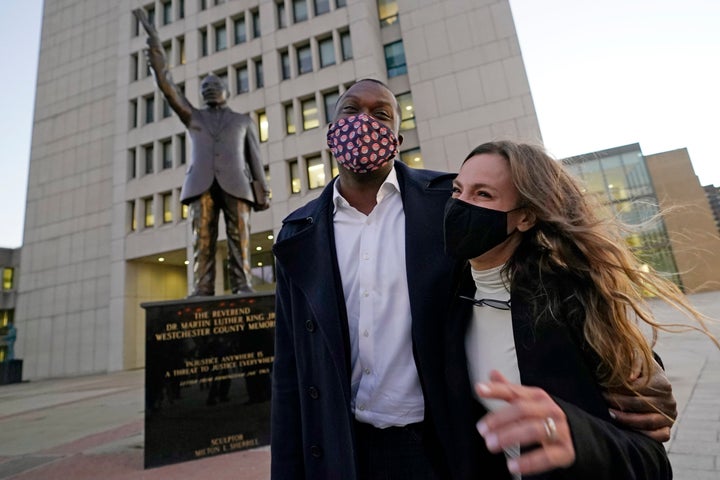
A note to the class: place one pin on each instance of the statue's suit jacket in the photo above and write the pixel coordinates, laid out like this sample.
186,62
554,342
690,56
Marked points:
225,147
312,421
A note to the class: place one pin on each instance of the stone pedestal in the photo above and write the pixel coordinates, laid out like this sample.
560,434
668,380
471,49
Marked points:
207,376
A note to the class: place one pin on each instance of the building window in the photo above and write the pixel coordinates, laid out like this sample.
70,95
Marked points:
8,278
165,108
181,51
262,125
259,74
148,149
321,6
240,30
388,12
304,59
167,12
203,43
242,79
149,109
167,207
310,114
407,111
166,154
223,76
151,15
412,158
184,211
346,44
340,3
257,32
327,52
181,145
300,13
294,176
395,59
220,38
334,171
329,101
149,216
203,4
132,164
181,9
281,14
134,70
289,118
285,64
133,216
315,172
133,113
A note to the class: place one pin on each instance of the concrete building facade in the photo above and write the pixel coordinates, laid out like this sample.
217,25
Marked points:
104,229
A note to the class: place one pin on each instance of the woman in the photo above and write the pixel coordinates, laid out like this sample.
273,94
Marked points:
547,313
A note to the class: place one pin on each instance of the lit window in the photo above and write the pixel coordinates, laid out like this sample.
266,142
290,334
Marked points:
407,111
149,216
149,159
304,59
167,207
181,48
285,64
203,43
294,176
289,118
300,13
240,30
262,126
281,14
256,23
388,12
242,79
259,74
412,158
321,6
395,59
315,172
346,43
167,154
329,101
8,278
310,114
220,38
333,166
184,209
149,109
327,52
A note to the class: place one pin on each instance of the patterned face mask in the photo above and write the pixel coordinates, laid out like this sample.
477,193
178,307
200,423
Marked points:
361,144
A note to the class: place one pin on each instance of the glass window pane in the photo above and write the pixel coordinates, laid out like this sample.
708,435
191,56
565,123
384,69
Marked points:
304,59
294,177
256,24
240,30
315,172
300,13
281,14
181,47
167,207
242,79
289,118
259,75
132,164
285,63
395,59
407,111
165,108
149,216
412,158
203,43
184,210
388,12
149,109
149,159
181,142
167,154
329,101
167,12
340,3
8,278
327,52
133,216
321,6
310,114
220,38
263,126
347,52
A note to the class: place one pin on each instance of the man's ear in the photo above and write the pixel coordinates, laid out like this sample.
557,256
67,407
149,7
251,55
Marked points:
400,139
527,220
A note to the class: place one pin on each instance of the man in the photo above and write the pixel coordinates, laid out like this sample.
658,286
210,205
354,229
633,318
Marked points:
362,287
224,165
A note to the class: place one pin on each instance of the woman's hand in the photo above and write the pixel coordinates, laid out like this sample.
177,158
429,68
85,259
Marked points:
531,418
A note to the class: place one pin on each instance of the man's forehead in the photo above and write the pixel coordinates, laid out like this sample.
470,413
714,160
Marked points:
371,91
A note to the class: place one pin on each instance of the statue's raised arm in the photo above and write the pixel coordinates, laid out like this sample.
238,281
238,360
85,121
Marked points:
155,55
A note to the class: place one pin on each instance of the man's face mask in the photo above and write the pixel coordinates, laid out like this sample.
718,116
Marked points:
361,144
471,231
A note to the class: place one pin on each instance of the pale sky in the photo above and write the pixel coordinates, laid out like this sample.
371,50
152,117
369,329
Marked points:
603,73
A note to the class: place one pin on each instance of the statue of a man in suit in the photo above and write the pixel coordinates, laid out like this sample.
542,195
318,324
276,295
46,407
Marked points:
225,172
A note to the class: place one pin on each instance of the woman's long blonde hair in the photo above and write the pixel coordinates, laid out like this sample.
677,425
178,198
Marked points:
572,240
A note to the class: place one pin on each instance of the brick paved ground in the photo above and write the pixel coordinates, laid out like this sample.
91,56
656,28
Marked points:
89,428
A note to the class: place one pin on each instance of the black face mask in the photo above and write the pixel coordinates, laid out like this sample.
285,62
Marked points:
471,231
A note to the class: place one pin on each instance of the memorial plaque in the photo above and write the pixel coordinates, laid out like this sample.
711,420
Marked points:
207,376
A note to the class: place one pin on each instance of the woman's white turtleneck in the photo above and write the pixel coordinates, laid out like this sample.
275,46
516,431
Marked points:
489,342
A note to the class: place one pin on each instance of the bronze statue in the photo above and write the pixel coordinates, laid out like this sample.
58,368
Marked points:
225,171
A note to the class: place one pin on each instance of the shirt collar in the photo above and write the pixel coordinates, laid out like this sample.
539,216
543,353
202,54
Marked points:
388,186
